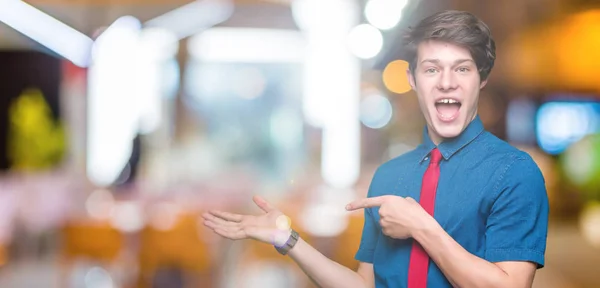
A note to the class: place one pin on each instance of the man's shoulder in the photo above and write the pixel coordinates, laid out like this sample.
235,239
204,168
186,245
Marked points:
500,149
514,164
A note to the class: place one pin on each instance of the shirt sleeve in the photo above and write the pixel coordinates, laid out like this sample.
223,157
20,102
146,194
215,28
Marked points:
370,233
517,227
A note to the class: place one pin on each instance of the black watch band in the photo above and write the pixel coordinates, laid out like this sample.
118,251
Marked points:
289,244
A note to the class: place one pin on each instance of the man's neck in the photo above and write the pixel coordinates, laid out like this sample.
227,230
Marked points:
436,139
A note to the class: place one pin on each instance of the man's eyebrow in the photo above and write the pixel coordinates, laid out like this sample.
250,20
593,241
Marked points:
460,61
434,61
456,62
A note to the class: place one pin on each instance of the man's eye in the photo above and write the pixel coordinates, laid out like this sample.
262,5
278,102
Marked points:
430,70
463,69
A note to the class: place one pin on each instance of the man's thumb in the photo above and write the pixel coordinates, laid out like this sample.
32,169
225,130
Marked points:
263,204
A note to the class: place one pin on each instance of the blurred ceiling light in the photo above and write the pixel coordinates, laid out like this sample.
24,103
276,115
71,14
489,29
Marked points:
384,14
194,17
113,110
395,78
559,124
127,80
375,111
125,30
159,43
156,46
340,159
331,77
324,16
365,41
247,45
46,30
325,25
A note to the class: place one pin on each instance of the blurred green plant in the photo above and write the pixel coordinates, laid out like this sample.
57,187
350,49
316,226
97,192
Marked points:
581,166
35,140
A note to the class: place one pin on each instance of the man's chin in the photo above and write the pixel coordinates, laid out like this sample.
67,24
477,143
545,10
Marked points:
450,135
448,131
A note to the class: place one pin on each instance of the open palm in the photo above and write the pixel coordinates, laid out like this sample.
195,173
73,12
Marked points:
271,227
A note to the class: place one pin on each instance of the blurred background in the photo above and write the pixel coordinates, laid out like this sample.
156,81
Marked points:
122,121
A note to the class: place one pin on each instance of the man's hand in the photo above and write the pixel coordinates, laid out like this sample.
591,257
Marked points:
272,227
400,217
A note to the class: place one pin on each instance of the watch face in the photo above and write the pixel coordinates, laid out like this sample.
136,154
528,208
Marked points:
289,244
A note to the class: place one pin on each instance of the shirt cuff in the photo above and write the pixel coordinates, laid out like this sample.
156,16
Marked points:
364,255
499,255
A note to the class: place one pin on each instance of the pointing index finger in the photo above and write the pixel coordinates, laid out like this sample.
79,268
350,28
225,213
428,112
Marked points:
366,203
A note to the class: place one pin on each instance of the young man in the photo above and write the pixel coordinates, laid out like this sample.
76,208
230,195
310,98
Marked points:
463,209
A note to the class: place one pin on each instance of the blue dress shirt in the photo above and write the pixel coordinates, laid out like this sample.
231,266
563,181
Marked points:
491,199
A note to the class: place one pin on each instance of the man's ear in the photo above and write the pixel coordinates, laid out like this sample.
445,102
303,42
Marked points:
482,84
411,79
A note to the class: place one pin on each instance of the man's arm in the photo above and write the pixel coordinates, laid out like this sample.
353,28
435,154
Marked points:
327,273
268,228
515,237
466,270
460,267
516,231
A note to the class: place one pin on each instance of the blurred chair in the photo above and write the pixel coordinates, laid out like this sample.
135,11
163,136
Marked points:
179,249
88,240
3,255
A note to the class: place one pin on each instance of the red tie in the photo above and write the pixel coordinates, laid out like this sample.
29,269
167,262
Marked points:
419,260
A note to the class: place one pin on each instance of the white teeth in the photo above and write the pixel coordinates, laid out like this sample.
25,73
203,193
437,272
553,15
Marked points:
447,101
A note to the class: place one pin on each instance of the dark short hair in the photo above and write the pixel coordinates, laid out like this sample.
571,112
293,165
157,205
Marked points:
456,27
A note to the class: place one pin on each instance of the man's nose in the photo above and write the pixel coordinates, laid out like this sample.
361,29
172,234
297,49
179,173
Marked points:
447,81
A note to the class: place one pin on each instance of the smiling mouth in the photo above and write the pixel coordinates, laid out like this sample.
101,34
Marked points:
447,108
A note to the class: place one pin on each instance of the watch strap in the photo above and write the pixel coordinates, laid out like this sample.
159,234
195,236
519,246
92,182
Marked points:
289,244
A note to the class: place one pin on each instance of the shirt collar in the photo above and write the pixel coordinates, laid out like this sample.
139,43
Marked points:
450,146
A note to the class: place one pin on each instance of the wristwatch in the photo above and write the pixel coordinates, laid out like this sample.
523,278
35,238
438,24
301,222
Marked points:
289,244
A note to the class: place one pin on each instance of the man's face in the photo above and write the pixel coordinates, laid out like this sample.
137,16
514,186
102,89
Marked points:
447,84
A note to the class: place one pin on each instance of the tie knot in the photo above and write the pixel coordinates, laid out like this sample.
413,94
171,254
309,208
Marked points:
436,156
